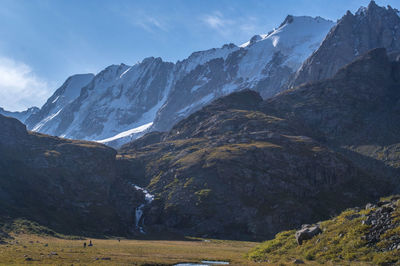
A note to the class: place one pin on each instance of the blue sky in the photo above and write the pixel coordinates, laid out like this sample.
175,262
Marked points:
44,41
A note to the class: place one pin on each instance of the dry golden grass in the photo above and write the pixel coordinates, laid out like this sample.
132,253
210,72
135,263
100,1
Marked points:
126,252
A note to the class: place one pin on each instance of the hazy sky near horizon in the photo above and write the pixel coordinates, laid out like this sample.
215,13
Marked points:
44,41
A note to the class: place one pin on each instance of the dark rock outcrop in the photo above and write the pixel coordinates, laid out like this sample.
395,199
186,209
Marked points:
381,220
307,232
69,186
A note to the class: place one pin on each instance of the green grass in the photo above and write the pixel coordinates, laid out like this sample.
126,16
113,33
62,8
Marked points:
341,242
224,152
23,226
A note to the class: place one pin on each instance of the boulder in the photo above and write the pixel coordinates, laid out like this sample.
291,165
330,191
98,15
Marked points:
307,232
297,261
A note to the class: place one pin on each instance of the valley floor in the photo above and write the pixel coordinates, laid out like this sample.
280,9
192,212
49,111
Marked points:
43,250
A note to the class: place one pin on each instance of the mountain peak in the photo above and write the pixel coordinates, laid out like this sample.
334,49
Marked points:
254,39
289,19
373,8
228,46
292,27
372,5
371,27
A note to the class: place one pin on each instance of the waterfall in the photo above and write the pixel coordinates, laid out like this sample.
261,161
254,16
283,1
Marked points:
139,210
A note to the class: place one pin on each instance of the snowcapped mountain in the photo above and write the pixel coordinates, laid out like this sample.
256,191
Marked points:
21,116
123,102
66,94
264,64
355,34
117,99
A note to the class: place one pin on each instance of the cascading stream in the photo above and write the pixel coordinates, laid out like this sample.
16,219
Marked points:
139,210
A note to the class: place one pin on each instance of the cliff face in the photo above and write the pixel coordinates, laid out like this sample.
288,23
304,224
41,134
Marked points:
371,27
69,186
355,112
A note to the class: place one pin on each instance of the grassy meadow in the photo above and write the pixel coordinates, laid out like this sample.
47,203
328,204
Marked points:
48,250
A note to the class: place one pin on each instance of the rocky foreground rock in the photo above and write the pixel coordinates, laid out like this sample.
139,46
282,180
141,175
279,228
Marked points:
307,232
381,220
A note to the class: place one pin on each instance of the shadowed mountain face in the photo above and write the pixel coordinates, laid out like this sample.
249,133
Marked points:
70,186
371,27
357,111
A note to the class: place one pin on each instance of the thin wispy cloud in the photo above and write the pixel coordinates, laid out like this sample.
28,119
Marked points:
19,86
150,23
218,22
141,18
227,27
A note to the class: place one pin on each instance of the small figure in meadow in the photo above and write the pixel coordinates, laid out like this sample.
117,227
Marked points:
90,243
84,244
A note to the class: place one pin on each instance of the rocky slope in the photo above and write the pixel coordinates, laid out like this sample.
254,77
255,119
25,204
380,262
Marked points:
121,102
367,236
244,167
70,186
355,113
354,34
231,171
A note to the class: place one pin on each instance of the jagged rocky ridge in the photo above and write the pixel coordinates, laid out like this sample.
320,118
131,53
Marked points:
122,98
353,35
123,102
22,115
63,96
